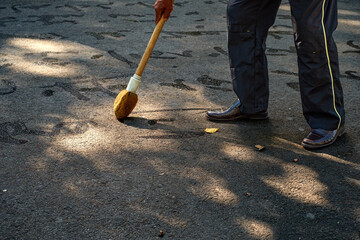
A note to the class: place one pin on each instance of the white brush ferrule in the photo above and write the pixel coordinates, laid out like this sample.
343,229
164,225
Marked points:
134,83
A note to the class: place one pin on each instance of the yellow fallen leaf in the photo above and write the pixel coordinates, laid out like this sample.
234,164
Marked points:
211,130
259,147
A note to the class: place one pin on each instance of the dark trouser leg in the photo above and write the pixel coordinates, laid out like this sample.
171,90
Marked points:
314,22
248,24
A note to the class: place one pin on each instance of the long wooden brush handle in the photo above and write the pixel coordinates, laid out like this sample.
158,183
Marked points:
150,46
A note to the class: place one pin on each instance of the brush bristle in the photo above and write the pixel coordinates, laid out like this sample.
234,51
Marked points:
124,103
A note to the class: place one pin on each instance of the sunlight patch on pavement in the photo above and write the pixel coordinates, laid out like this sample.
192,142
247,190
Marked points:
297,148
353,181
348,22
38,163
284,7
210,187
22,65
256,229
300,183
238,152
72,187
46,57
348,13
88,141
39,45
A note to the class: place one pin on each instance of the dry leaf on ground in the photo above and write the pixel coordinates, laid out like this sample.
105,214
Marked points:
259,147
211,130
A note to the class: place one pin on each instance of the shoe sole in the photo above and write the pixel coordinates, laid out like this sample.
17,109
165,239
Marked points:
309,146
247,117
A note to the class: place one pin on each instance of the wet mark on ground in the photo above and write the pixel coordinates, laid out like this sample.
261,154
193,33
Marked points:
186,53
129,15
155,121
281,25
99,88
276,33
5,20
100,35
285,73
348,74
192,13
78,92
116,87
9,130
49,19
180,4
121,58
191,33
351,75
220,50
15,9
158,55
294,85
220,88
68,87
214,54
97,56
36,7
4,67
179,84
206,80
71,7
279,52
48,93
46,53
176,135
45,36
52,61
139,3
282,16
105,5
351,44
7,87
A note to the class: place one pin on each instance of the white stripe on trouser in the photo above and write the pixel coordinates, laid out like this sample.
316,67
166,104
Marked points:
329,65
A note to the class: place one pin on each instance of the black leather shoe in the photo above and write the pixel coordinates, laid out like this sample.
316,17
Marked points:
318,138
234,113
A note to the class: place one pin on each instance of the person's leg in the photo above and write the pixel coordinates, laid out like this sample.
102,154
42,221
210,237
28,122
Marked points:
314,22
248,24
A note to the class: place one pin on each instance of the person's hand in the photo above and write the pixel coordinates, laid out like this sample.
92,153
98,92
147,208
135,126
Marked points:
163,7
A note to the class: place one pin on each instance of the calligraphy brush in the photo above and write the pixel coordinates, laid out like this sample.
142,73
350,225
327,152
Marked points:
126,100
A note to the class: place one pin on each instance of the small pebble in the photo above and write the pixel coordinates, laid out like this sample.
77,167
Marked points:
310,216
295,160
161,233
4,190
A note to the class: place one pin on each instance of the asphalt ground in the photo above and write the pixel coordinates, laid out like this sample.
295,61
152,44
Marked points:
70,170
